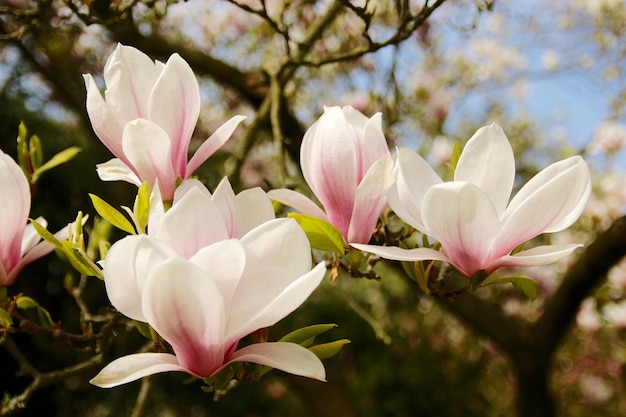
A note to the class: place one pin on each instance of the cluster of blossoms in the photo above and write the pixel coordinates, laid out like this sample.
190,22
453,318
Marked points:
216,267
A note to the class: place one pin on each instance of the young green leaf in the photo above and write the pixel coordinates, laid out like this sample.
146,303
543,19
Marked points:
327,350
306,333
112,215
526,285
58,159
5,319
322,235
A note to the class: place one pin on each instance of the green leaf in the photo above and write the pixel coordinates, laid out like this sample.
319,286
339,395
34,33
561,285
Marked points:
58,159
454,158
306,333
5,319
45,234
44,317
327,350
321,234
36,153
526,285
142,205
110,214
143,328
80,261
25,303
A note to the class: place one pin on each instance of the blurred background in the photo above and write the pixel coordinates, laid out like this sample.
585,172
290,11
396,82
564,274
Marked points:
552,74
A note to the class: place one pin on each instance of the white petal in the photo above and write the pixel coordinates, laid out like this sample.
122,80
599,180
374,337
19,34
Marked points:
126,267
183,304
328,158
414,176
253,209
14,211
287,357
148,147
129,75
487,161
247,320
175,106
116,170
133,367
277,254
540,255
297,201
193,223
213,143
371,200
224,199
461,216
104,123
399,254
224,262
551,201
186,186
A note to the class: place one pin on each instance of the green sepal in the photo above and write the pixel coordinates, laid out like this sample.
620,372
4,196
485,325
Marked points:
306,335
220,381
454,158
528,286
328,350
36,154
5,319
112,215
58,159
321,234
143,329
43,317
142,205
80,261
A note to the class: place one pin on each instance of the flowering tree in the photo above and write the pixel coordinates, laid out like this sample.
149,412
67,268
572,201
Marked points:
176,274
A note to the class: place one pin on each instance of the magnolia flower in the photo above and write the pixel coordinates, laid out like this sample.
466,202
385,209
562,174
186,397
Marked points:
203,306
346,162
472,217
19,243
147,119
198,219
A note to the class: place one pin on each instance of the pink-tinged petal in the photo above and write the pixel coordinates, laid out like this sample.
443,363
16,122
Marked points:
183,304
126,267
462,218
147,147
287,357
540,255
15,192
395,253
374,143
328,158
186,186
224,199
244,320
297,201
193,223
104,123
414,176
157,209
129,75
133,367
31,237
253,208
487,161
551,201
213,143
282,241
116,170
371,200
224,262
175,105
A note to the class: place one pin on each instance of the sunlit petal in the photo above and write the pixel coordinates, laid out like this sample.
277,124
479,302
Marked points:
133,367
540,255
297,201
487,161
462,218
116,170
185,307
213,143
287,357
